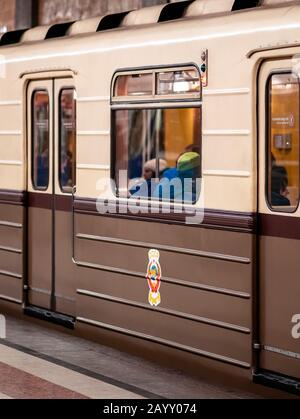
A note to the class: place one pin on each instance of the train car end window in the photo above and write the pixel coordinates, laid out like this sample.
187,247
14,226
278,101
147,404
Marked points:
40,145
134,85
67,139
283,166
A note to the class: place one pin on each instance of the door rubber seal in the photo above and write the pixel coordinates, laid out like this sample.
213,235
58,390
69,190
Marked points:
49,316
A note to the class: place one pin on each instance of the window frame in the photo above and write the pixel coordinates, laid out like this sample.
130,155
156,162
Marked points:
34,186
155,98
283,210
176,101
62,89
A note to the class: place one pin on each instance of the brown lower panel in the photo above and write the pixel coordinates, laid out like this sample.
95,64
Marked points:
203,337
12,197
287,227
204,367
11,237
170,312
48,201
11,213
12,262
197,302
281,364
65,306
213,218
40,256
183,268
39,298
11,307
11,287
176,236
65,270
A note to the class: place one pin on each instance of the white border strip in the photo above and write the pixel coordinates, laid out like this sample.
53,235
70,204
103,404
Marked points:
227,173
12,133
93,167
93,133
10,163
226,132
93,99
223,92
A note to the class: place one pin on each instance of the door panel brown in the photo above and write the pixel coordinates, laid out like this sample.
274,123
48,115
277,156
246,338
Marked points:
278,241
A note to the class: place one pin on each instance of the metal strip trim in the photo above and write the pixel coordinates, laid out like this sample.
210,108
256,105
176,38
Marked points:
10,250
223,92
11,133
90,99
190,252
165,342
11,274
193,285
10,163
10,225
10,300
283,352
169,312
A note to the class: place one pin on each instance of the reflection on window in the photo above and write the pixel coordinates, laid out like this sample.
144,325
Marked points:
283,155
67,139
156,147
134,85
176,82
40,146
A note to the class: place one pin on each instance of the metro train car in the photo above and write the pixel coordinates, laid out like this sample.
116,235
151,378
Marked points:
96,117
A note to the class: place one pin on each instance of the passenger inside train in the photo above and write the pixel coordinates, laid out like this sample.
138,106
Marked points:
167,151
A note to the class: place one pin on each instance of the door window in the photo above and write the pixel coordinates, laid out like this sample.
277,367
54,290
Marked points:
67,139
283,142
41,148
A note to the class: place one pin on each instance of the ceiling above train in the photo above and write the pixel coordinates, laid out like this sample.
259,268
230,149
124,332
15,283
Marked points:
148,15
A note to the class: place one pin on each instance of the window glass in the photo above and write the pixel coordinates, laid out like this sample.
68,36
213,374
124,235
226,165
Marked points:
67,140
283,142
157,146
134,85
40,146
178,82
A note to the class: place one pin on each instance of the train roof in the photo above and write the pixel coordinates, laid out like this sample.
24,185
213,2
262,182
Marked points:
136,18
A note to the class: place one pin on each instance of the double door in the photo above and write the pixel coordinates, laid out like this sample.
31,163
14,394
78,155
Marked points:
51,153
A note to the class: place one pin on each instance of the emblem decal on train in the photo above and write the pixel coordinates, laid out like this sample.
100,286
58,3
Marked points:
154,274
296,328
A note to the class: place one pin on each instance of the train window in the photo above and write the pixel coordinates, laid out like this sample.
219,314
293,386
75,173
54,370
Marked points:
157,146
67,139
283,142
176,82
40,133
134,85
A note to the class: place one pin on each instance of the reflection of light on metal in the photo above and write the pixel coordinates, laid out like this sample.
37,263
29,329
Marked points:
204,80
181,87
3,29
180,84
204,69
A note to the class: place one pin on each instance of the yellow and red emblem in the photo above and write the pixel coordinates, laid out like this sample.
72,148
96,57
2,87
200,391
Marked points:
154,278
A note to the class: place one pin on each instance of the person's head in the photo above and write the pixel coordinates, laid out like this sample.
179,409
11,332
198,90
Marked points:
189,164
279,180
150,168
193,148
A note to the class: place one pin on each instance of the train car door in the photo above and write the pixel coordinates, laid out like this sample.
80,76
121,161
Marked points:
51,121
279,219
